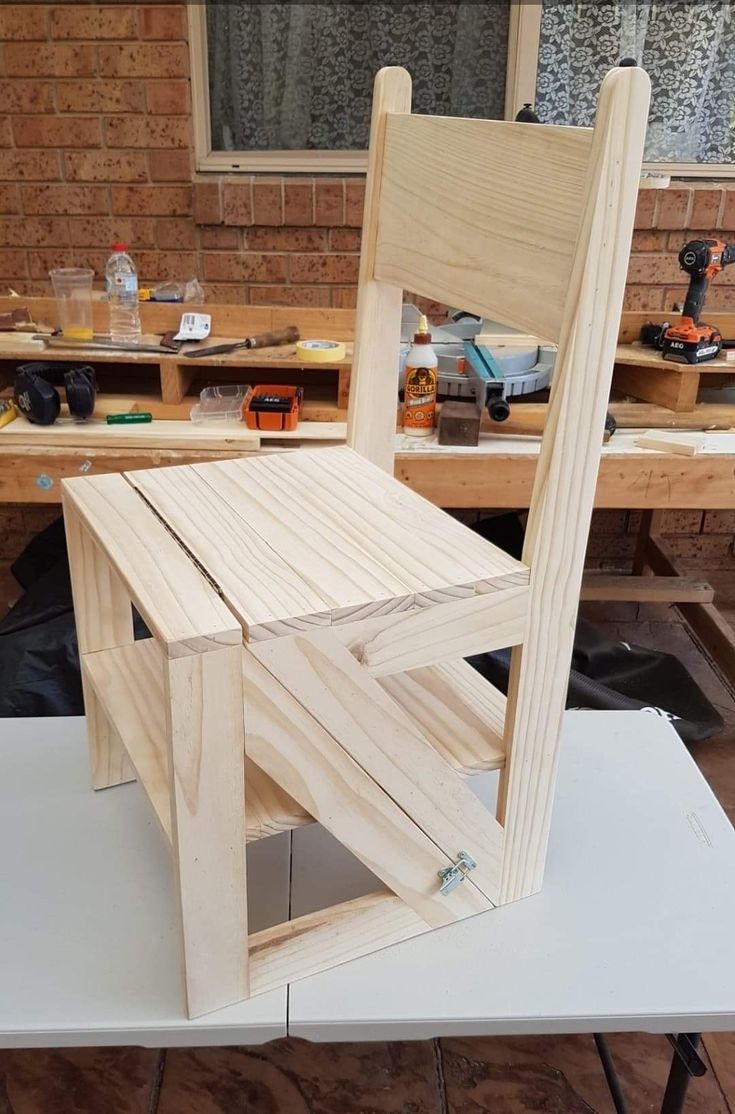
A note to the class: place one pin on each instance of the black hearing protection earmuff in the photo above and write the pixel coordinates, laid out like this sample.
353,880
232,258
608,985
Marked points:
36,395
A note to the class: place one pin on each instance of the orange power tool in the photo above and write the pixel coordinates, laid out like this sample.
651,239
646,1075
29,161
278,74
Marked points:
690,341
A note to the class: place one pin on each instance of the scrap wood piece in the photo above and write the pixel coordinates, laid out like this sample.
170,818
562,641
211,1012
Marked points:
681,444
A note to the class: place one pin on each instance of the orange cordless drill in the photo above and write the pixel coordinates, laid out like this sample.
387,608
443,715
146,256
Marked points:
691,342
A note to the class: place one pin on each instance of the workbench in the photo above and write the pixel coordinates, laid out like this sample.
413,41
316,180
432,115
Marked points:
497,474
91,952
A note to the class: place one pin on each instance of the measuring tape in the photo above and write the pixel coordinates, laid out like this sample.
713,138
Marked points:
320,351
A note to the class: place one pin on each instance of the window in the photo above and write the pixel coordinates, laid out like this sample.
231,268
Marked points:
287,86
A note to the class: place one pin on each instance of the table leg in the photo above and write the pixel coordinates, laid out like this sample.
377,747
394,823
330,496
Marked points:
683,1067
611,1074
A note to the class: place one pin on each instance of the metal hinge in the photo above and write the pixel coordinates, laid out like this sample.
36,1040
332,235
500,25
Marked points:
451,876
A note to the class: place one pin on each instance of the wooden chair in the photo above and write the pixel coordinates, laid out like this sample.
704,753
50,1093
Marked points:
309,615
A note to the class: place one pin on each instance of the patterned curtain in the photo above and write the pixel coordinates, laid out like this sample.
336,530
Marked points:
688,49
299,76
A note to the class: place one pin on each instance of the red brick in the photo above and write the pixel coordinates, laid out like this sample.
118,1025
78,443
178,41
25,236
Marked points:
680,522
51,60
6,132
674,297
22,21
329,202
643,298
673,208
167,22
235,206
26,96
354,201
88,21
287,239
168,98
250,267
323,268
138,232
106,166
677,240
611,545
208,202
32,166
167,201
161,266
170,166
224,239
42,261
145,60
298,201
176,234
655,270
289,295
608,522
268,201
344,297
344,239
705,208
57,131
9,199
66,199
226,293
712,550
100,96
13,264
649,241
34,232
727,221
719,522
646,208
147,131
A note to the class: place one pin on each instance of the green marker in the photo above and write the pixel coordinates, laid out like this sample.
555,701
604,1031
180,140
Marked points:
133,418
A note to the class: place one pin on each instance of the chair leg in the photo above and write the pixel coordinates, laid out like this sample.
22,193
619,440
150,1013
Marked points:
206,740
104,620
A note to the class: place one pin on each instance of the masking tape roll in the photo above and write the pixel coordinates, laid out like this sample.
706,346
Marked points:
320,351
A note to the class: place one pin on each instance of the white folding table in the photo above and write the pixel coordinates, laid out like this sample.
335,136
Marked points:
632,931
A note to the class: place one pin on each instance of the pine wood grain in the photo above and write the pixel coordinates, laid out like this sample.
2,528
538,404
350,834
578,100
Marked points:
129,682
104,618
456,709
388,746
429,636
206,754
374,378
314,765
565,479
486,230
177,603
315,942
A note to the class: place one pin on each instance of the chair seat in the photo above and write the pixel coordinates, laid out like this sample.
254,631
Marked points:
319,538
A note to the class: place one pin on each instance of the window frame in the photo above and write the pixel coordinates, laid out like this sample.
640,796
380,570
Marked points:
524,33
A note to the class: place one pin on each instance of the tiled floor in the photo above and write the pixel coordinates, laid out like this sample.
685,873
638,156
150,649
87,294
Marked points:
529,1075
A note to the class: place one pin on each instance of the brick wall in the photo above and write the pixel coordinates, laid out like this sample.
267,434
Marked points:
97,146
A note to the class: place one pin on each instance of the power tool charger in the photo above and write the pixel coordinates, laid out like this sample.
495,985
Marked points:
36,396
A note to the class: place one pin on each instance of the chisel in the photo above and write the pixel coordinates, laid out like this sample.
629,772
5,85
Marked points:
288,335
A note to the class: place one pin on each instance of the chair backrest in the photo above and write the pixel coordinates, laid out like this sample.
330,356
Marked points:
530,225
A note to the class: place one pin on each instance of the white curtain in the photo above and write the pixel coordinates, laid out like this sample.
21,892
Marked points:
688,49
299,76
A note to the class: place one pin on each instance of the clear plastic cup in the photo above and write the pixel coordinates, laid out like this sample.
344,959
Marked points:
73,290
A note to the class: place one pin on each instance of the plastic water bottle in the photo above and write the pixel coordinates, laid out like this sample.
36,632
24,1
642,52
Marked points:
122,295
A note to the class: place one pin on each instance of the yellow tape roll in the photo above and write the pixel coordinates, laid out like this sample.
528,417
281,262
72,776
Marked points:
320,351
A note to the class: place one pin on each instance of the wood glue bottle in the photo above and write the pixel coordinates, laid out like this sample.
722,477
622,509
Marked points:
419,405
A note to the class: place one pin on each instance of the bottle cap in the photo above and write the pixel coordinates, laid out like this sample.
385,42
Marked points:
119,247
422,334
